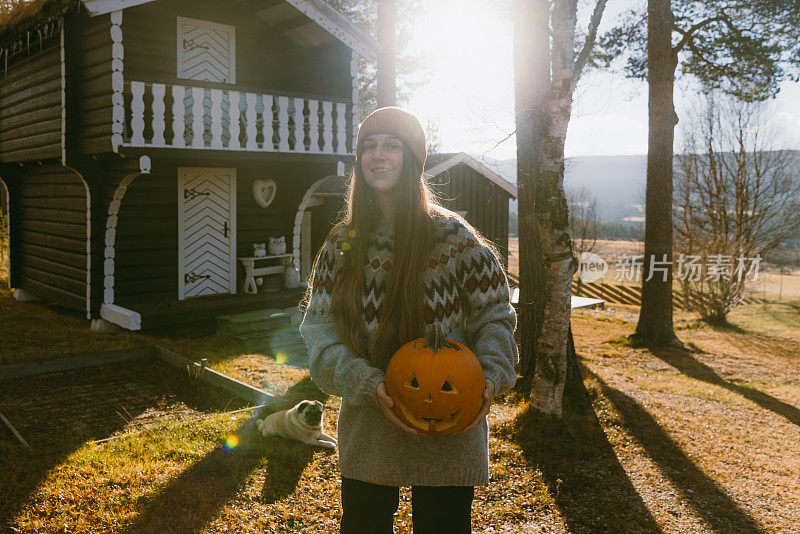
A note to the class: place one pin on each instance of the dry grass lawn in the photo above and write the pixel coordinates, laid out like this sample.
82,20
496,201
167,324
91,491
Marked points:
698,441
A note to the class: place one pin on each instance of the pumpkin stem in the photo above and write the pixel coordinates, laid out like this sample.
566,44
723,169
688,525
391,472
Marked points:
436,339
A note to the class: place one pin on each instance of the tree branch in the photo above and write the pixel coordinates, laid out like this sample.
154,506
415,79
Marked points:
688,34
711,65
588,45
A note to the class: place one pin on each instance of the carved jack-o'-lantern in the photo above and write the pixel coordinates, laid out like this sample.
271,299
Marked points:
436,383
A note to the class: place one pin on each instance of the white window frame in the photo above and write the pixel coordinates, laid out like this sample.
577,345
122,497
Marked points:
182,21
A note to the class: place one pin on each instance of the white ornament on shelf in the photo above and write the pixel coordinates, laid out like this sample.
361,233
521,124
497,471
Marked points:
264,192
277,245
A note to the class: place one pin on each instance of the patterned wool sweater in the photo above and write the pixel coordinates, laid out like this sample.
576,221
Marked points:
467,294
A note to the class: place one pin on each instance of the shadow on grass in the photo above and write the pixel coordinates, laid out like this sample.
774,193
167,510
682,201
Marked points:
21,472
710,501
87,404
687,364
286,460
581,470
193,499
723,325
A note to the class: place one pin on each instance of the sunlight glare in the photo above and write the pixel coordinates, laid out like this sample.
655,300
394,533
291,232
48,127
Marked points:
468,46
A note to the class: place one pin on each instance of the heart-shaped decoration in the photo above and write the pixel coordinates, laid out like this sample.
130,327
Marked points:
264,192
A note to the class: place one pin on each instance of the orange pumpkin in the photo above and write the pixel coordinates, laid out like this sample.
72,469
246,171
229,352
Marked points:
436,383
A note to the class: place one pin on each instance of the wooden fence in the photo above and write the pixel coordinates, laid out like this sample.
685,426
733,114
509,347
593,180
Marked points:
624,294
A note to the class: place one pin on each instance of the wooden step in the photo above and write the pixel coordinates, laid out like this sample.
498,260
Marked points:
256,321
290,345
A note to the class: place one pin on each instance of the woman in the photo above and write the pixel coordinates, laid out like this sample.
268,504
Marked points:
396,262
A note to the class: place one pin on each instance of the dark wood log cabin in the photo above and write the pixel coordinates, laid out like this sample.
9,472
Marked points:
138,137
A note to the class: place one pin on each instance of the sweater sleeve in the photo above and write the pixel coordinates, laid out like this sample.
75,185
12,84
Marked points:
335,368
490,318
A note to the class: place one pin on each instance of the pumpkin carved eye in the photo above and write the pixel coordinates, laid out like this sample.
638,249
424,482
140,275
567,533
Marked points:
447,387
413,382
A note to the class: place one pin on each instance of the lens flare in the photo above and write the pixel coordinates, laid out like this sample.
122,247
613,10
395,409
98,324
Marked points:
232,442
288,348
345,246
352,233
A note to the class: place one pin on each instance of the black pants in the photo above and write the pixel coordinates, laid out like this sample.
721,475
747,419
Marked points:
369,508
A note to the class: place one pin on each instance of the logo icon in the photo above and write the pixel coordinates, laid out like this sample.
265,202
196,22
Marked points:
591,267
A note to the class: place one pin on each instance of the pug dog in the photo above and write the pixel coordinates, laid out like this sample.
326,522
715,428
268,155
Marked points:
303,423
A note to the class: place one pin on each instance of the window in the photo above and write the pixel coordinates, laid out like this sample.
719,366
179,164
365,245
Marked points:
206,51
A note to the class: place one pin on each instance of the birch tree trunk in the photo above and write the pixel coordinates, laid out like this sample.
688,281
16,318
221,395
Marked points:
655,316
552,219
546,74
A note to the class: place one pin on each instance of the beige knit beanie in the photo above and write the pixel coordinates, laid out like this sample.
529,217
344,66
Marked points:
395,121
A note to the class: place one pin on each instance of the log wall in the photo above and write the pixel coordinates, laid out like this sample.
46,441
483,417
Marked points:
31,104
49,235
89,84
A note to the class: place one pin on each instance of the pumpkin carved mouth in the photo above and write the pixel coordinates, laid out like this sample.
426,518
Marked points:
429,423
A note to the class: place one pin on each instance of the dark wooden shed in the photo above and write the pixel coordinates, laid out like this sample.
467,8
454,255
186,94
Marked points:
467,186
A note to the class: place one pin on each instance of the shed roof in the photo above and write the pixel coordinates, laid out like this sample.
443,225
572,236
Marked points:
436,164
29,16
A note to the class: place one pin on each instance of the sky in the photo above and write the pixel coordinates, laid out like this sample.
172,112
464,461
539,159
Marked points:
470,95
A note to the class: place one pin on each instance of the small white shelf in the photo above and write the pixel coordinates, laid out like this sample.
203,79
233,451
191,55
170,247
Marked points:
251,271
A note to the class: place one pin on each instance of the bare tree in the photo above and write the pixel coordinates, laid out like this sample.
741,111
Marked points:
582,223
432,136
582,219
737,197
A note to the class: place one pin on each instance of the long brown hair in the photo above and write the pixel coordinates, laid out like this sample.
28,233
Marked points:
401,316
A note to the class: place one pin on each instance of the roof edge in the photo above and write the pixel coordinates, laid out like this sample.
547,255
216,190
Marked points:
331,20
463,157
101,7
328,18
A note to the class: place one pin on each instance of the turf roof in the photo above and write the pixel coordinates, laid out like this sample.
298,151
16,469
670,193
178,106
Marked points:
29,18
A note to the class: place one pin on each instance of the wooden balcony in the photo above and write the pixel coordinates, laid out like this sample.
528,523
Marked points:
224,119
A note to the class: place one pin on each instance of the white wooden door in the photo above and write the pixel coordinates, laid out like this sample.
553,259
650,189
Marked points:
206,232
206,51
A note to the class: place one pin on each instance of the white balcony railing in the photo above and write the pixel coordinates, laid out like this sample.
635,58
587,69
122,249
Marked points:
177,116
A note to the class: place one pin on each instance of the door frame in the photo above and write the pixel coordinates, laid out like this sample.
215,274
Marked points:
181,249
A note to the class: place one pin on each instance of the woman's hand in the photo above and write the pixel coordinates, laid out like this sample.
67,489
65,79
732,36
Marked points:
488,396
386,403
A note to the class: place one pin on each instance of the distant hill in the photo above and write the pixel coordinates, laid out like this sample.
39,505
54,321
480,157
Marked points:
618,182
